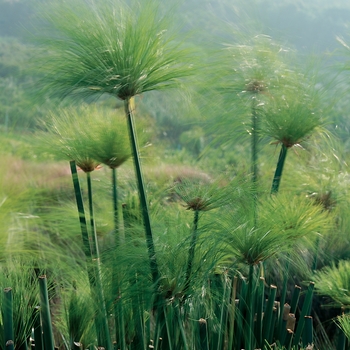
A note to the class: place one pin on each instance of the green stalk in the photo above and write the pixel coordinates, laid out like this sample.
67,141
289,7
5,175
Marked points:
168,325
280,329
295,299
115,206
45,314
304,310
279,169
227,303
94,273
273,324
254,145
281,336
289,339
191,251
240,319
232,313
308,332
254,165
203,334
181,326
38,335
139,326
269,311
217,292
94,246
80,206
142,193
259,310
222,324
119,322
7,311
118,306
250,311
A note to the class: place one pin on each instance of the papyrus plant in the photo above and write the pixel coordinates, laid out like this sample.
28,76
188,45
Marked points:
199,197
284,221
290,118
334,281
250,73
116,49
73,133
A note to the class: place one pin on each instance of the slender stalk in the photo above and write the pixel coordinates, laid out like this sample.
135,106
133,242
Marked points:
254,165
119,324
304,311
250,310
280,330
191,251
308,332
222,324
295,299
254,144
94,246
203,335
217,290
269,311
81,211
240,315
94,273
167,341
289,339
273,324
8,319
181,326
45,314
279,169
232,313
115,206
142,193
259,311
38,334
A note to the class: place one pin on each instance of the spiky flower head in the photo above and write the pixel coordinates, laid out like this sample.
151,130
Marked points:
201,195
289,120
334,281
110,47
90,136
282,222
257,66
111,144
343,323
69,137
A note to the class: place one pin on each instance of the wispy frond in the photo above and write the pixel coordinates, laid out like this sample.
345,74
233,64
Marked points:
106,47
